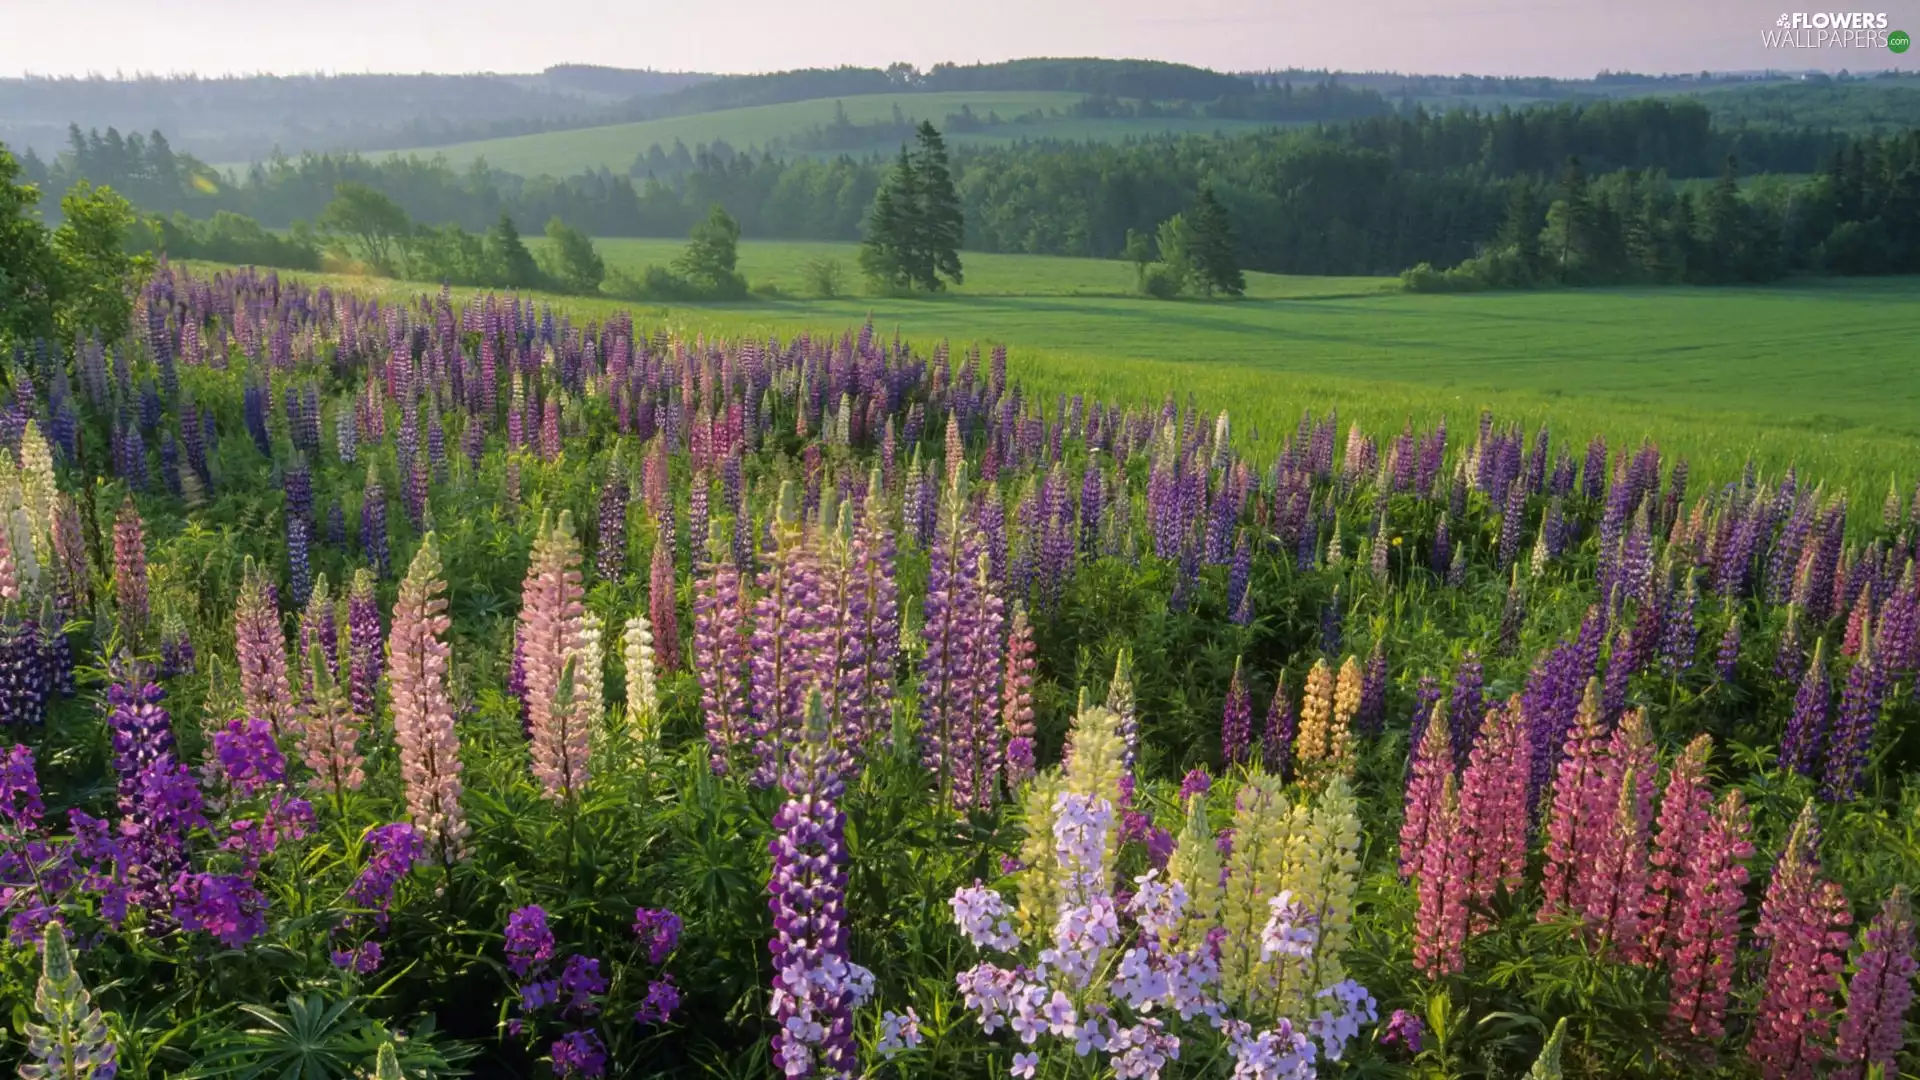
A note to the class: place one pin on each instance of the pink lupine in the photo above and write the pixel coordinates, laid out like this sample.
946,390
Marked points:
720,657
1685,809
418,674
1706,933
1432,768
551,611
1574,826
9,572
1802,925
1016,708
1493,807
1879,993
129,568
661,609
1236,720
260,650
330,738
1616,880
1440,927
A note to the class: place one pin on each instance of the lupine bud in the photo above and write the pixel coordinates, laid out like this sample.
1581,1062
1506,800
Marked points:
1016,708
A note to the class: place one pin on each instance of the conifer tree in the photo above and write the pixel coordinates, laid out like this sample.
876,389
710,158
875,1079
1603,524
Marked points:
1215,265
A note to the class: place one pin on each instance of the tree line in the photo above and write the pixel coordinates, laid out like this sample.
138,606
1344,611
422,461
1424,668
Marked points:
1371,196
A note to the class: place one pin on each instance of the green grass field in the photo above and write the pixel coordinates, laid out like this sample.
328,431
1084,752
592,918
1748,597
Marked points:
614,146
1819,373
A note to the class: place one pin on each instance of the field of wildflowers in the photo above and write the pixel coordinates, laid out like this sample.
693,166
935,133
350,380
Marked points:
427,687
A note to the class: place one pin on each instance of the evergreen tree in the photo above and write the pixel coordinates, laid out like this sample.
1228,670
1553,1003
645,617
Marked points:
1520,232
1215,264
576,264
1569,232
886,254
508,258
942,227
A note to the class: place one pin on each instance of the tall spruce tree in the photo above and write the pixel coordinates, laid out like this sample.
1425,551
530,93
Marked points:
916,226
1216,266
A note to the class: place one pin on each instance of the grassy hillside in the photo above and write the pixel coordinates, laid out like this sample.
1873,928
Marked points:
1815,373
614,146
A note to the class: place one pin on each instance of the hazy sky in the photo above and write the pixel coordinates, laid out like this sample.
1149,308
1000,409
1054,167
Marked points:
1515,37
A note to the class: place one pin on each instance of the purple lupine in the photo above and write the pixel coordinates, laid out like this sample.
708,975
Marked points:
299,561
1372,713
1239,596
788,627
1851,738
364,645
1879,993
1726,658
1467,707
866,687
1512,516
816,986
1281,727
24,681
610,560
141,732
1806,729
373,524
1330,625
1236,720
1442,549
958,673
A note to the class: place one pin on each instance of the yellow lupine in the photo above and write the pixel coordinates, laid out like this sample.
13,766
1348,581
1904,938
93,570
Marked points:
1346,705
1322,872
1039,882
1195,864
1317,744
37,490
1263,826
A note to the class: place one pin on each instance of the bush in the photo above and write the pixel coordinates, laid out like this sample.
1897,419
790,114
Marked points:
825,278
1163,282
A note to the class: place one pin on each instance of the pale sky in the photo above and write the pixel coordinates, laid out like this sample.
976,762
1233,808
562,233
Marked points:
1507,37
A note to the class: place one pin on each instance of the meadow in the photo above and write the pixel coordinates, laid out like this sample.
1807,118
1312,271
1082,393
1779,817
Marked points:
614,146
411,685
1815,373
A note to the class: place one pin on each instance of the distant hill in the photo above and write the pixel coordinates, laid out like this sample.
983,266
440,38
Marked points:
247,117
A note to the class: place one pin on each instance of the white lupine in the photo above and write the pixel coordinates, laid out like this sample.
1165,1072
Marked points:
643,692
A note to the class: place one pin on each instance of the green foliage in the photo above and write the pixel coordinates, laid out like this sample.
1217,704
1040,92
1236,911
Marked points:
321,1039
508,259
231,238
29,270
1214,263
577,267
368,223
822,277
711,256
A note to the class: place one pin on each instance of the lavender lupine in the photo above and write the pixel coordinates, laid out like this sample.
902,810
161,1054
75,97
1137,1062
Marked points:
721,657
816,985
611,558
260,651
130,569
418,681
1879,993
550,624
1803,922
1016,708
790,627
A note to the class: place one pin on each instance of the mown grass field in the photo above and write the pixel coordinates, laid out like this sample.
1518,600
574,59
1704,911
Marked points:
614,146
1822,374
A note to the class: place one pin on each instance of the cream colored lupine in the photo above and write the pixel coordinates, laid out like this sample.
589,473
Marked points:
1314,744
14,518
643,691
1093,767
37,490
592,675
1195,865
1263,828
1322,871
1038,882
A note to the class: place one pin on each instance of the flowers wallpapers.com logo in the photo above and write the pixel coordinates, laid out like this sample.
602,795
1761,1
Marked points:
1835,29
